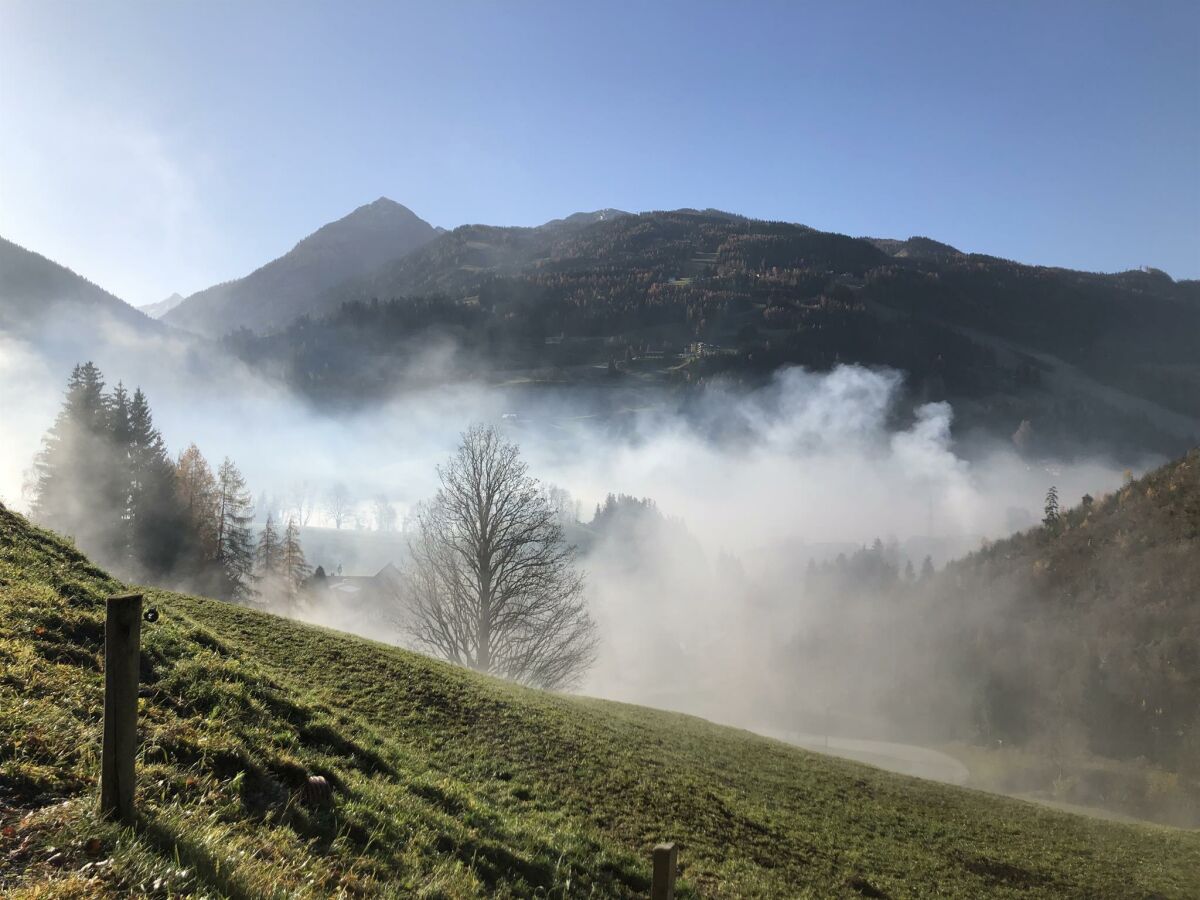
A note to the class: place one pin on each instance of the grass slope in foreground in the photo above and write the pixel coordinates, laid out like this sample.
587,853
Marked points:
448,784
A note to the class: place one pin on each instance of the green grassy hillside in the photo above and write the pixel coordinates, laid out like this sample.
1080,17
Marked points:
447,784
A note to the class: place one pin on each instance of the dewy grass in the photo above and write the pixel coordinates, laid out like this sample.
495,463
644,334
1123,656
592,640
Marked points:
448,784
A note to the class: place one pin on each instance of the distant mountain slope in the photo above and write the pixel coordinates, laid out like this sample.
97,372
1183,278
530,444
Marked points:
1100,615
162,307
35,290
1060,662
1102,363
459,260
293,285
453,264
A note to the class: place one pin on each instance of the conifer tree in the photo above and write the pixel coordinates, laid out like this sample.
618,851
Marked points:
75,491
927,568
1052,512
267,554
116,407
158,522
116,410
294,568
235,542
104,477
120,551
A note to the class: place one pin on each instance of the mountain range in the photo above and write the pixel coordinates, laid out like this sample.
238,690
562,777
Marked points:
684,295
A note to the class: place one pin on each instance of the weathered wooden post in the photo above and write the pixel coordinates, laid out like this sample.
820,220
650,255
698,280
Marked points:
665,858
122,658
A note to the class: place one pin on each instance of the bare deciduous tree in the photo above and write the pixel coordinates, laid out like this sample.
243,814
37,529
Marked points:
492,584
302,504
564,505
339,504
384,514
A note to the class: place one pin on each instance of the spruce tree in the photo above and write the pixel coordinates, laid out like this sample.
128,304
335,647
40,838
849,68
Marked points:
294,568
116,410
927,568
267,554
116,407
1052,513
235,542
76,492
158,522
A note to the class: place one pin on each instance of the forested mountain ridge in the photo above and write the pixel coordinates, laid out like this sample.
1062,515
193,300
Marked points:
34,289
293,284
1060,360
693,294
463,260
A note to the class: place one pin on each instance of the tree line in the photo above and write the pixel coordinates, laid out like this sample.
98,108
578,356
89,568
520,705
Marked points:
104,477
492,584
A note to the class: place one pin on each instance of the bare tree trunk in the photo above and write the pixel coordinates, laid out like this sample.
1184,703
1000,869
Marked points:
483,632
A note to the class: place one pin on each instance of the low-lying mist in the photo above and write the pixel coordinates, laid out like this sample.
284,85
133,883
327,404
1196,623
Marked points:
709,614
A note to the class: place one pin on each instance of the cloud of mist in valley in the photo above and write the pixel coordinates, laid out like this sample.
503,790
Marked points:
760,481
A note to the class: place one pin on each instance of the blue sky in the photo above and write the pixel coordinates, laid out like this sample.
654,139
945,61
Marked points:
156,147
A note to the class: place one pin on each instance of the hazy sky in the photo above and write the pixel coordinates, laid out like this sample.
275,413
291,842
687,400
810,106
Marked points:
156,147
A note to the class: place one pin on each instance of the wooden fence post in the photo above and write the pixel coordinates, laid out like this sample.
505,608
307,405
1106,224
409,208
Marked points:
122,659
665,858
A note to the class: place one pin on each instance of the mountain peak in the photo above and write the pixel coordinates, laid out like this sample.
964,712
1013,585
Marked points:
162,307
382,220
294,284
381,205
382,210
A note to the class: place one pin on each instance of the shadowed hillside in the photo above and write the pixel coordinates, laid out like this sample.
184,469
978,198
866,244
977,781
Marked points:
1059,663
34,290
1099,608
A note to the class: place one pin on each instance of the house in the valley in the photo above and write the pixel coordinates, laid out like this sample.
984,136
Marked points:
363,597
